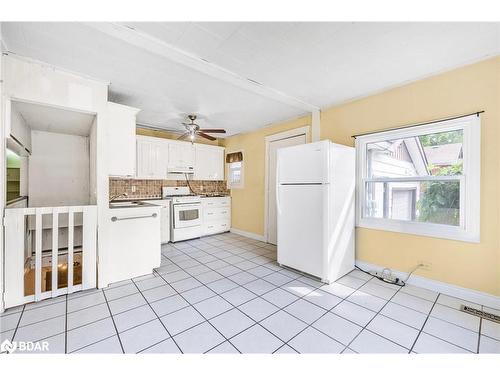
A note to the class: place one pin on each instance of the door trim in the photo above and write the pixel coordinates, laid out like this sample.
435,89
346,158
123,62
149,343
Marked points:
304,130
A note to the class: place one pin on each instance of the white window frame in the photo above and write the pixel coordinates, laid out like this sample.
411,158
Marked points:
241,184
469,228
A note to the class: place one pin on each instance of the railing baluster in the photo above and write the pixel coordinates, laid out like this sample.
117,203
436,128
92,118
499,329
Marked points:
55,251
71,229
38,255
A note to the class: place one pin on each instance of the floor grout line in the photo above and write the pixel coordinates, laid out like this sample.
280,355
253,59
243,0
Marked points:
186,259
366,325
205,319
18,322
425,322
282,308
114,324
234,306
166,329
325,313
354,289
96,342
479,335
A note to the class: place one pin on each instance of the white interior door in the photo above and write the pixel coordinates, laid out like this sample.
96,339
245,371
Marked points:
271,178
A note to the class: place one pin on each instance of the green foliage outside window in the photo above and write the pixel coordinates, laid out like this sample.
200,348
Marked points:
439,139
440,202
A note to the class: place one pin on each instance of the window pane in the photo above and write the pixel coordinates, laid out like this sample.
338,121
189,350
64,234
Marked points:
235,172
236,176
236,165
436,154
424,201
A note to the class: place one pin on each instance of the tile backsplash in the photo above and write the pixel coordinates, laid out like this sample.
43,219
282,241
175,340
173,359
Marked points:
152,188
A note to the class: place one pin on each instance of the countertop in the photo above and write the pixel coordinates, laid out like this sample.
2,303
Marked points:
123,204
160,198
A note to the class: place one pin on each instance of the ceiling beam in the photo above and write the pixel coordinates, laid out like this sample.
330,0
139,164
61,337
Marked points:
154,45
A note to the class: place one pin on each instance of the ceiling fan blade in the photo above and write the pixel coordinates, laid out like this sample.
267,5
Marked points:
183,135
206,136
213,130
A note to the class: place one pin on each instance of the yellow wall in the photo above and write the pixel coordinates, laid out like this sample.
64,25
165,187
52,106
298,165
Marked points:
248,203
468,89
170,135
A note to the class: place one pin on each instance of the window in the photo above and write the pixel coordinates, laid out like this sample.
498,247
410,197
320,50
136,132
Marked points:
235,162
422,180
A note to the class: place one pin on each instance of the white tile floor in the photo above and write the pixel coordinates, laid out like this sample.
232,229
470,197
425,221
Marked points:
226,294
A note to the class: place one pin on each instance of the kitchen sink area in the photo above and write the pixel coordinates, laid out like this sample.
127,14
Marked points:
127,204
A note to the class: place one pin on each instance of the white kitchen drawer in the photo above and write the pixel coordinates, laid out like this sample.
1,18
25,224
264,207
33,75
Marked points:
216,213
216,227
216,202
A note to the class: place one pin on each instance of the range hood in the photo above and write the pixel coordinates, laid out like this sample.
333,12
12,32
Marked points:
180,169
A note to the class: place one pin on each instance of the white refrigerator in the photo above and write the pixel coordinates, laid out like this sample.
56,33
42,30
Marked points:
315,209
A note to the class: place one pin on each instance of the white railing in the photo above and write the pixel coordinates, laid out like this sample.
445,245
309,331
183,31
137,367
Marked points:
21,223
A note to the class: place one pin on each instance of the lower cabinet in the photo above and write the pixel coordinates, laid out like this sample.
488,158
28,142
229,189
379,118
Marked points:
133,245
216,215
164,218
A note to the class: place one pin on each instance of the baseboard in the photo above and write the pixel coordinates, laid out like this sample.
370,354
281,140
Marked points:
471,295
251,235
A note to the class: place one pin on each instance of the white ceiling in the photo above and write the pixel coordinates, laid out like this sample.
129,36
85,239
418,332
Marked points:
318,63
55,120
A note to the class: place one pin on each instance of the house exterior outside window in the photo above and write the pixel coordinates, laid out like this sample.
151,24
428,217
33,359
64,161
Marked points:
421,180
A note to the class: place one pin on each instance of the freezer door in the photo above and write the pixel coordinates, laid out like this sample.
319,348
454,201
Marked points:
308,163
302,221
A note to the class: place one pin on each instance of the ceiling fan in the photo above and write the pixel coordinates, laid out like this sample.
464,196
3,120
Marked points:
192,130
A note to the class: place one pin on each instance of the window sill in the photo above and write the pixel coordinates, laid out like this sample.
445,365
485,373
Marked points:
420,229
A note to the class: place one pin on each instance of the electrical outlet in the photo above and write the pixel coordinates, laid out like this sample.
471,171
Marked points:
133,188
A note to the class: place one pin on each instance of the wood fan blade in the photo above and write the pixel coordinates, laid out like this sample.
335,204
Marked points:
183,136
206,136
212,130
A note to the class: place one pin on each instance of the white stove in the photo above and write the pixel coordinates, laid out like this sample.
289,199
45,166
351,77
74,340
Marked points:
185,220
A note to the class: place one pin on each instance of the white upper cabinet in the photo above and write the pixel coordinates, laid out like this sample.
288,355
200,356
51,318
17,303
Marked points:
181,156
159,158
152,158
121,139
209,162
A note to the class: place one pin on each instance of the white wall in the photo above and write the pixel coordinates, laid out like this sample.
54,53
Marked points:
24,176
93,163
28,80
19,129
58,170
